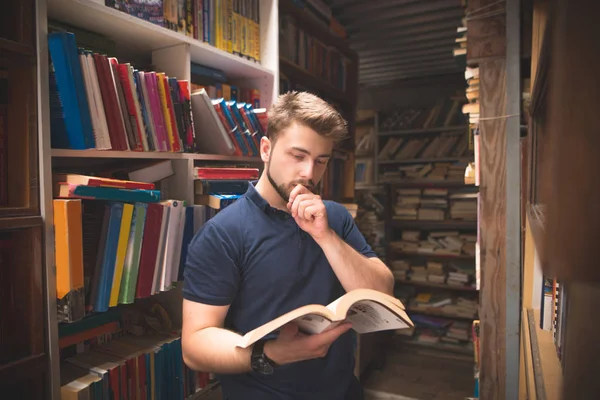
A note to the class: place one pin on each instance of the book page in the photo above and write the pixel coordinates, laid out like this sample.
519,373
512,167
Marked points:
312,323
370,316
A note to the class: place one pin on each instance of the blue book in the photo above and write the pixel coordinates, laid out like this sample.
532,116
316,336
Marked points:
68,190
68,88
107,267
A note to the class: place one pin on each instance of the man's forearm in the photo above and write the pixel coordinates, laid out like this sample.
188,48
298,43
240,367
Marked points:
353,269
214,350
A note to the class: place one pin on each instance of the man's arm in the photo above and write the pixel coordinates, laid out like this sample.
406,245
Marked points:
353,269
208,347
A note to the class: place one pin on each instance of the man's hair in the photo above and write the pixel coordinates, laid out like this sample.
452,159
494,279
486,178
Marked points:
306,109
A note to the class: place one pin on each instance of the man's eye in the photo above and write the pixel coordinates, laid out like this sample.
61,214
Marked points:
298,157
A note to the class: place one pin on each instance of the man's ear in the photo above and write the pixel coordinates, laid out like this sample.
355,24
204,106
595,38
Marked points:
265,149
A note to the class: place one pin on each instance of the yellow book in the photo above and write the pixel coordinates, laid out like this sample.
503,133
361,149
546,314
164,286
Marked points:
229,26
250,15
256,26
226,91
217,22
68,245
237,28
121,252
257,31
162,94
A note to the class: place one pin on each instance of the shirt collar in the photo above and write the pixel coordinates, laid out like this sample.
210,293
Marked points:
256,198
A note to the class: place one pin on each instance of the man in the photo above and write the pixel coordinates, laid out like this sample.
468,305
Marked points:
276,248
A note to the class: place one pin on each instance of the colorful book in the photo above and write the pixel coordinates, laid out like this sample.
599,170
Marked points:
68,190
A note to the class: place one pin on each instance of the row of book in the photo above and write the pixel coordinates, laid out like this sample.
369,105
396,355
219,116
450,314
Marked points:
444,305
97,102
434,204
112,248
226,127
553,312
229,25
441,243
471,109
450,144
302,49
452,172
439,333
118,240
451,274
127,366
444,113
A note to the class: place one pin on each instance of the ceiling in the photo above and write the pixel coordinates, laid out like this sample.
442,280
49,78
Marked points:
401,39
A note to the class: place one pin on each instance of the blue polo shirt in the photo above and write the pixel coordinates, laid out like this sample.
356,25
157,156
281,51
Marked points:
256,259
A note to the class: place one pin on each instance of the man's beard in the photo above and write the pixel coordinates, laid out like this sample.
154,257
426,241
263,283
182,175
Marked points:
284,190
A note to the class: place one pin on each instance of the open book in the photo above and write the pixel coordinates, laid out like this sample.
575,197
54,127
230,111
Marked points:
368,311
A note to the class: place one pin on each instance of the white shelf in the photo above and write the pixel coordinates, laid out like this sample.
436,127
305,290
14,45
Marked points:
92,153
138,37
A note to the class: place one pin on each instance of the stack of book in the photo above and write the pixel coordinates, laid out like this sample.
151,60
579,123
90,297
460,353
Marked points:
231,27
443,113
472,92
463,206
132,367
425,147
116,241
452,172
451,243
461,307
98,103
434,204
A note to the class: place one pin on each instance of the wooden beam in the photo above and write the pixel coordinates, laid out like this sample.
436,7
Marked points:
492,221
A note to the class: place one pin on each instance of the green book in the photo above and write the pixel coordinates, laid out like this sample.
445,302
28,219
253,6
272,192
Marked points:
132,258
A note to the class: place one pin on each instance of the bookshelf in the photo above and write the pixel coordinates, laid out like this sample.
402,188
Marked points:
34,348
315,57
421,153
24,354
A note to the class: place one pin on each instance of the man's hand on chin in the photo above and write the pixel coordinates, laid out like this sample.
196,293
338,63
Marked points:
308,210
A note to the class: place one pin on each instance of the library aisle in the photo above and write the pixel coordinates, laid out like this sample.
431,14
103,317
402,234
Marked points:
126,126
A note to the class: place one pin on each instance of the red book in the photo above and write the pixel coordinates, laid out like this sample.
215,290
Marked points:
98,181
226,173
149,251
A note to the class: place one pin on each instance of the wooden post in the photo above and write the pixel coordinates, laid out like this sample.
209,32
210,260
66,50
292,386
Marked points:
496,52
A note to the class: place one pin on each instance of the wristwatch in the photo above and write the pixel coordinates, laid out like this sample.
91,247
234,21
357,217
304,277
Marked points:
259,361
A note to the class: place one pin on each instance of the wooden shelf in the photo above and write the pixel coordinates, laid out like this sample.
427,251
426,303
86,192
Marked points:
10,223
432,312
301,76
429,225
430,184
319,31
444,257
546,365
438,285
426,160
92,153
436,346
16,47
135,36
425,131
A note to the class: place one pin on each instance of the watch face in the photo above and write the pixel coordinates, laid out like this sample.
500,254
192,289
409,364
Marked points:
261,365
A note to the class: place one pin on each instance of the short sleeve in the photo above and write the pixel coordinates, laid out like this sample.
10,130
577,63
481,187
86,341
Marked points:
211,274
351,234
